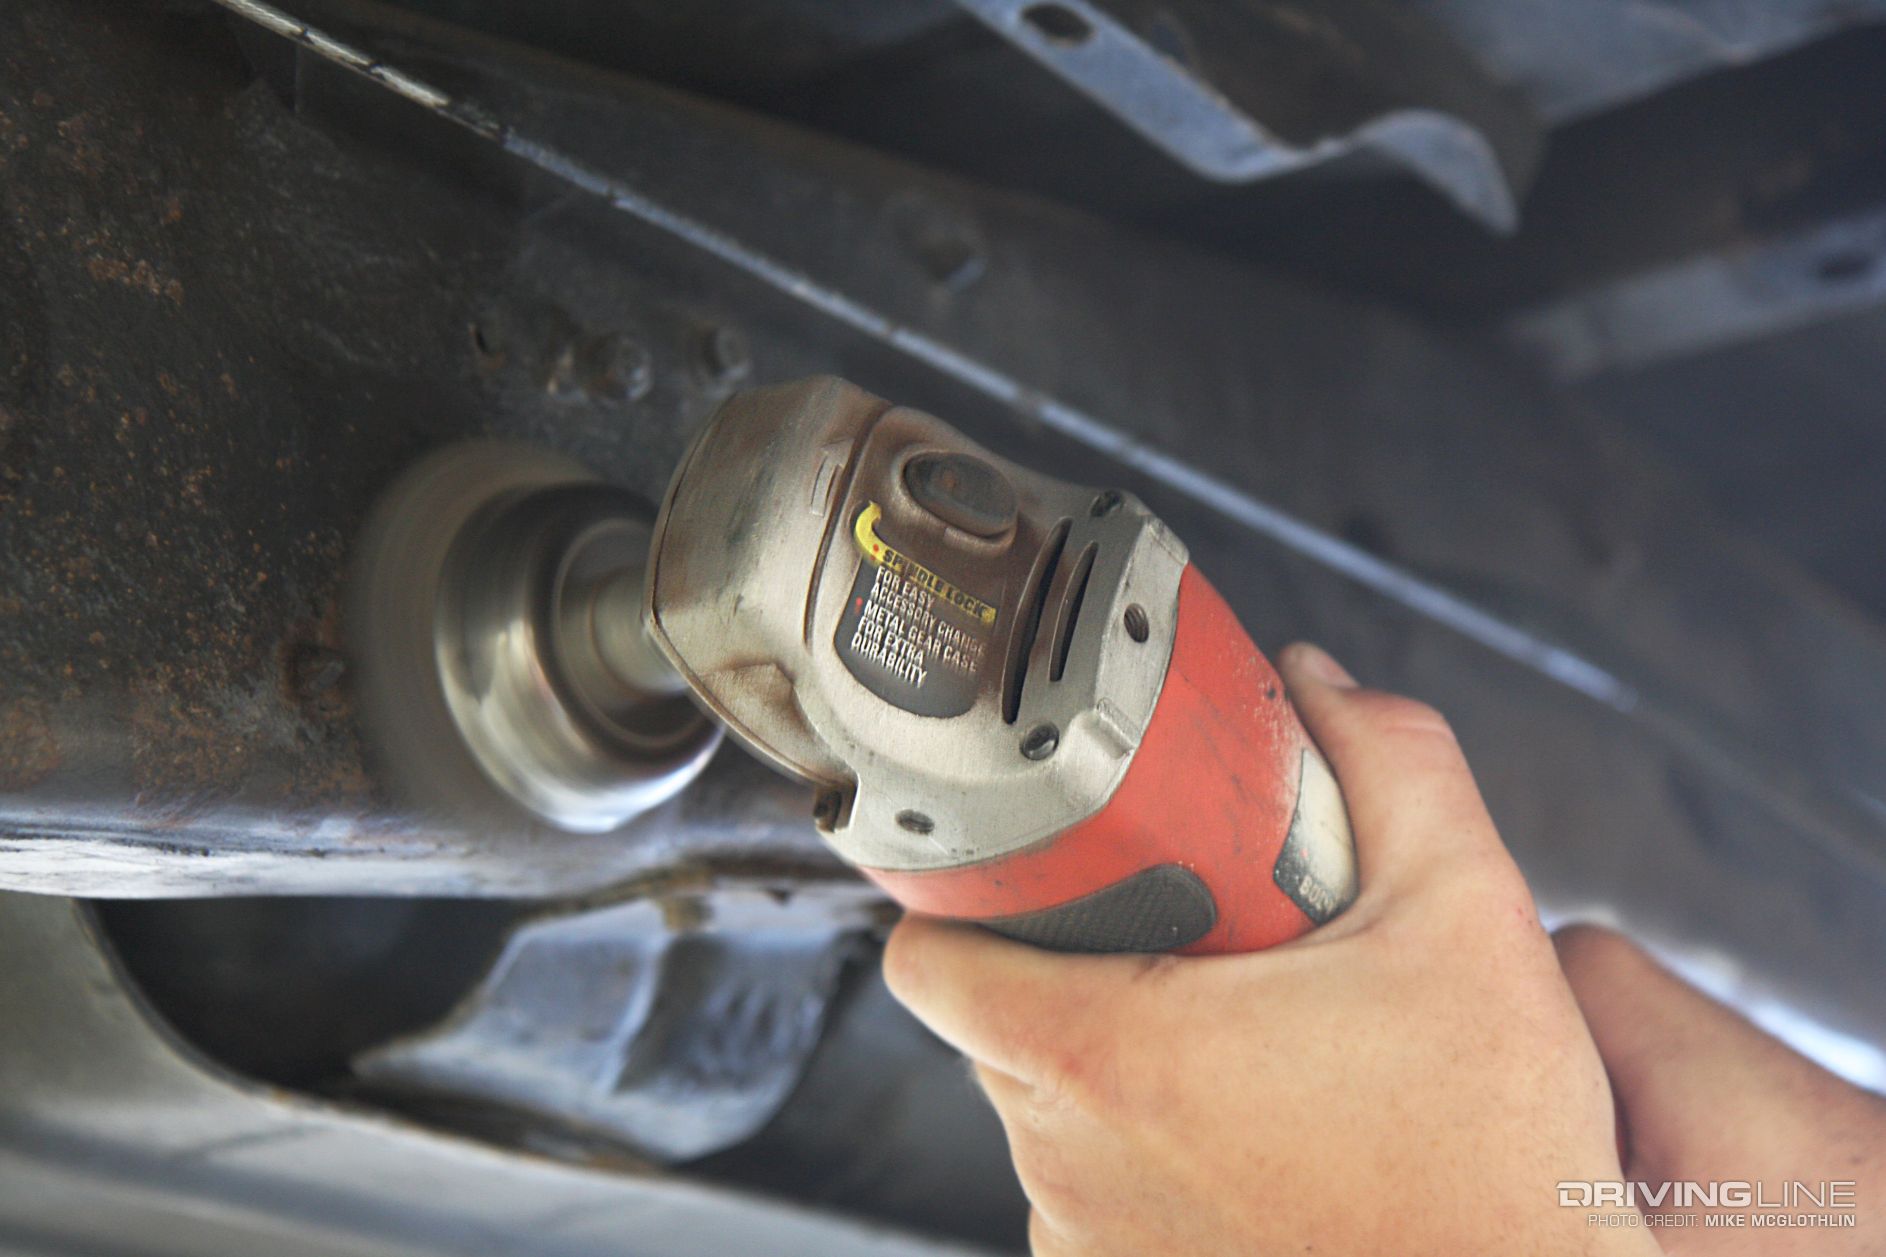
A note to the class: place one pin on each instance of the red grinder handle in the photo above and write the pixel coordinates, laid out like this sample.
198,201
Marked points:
1227,834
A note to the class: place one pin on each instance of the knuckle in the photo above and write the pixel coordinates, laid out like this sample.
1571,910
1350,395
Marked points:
1475,901
1075,1073
1489,871
1032,1039
1043,1177
1475,878
900,962
1080,1079
1043,1241
994,1087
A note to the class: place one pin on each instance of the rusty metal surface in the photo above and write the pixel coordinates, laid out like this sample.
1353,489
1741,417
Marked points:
229,331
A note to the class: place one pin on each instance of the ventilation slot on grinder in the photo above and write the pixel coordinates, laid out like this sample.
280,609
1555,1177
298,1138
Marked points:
1071,610
1022,645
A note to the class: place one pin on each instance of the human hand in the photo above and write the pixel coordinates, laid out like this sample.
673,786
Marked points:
1707,1098
1413,1078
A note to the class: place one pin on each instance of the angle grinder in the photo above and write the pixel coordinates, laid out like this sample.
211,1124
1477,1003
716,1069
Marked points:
1015,699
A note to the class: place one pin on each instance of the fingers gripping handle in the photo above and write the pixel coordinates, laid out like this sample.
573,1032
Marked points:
1227,833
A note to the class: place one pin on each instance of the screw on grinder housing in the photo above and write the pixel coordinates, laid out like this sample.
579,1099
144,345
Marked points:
1020,704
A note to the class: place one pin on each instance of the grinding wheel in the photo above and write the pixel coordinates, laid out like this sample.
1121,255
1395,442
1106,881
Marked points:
500,665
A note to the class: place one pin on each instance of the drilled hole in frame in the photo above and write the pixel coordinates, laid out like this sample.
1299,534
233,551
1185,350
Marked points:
915,822
487,338
1058,24
1845,266
1138,627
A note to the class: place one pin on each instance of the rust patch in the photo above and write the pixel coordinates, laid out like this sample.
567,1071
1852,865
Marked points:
181,745
28,750
82,151
315,681
140,275
333,781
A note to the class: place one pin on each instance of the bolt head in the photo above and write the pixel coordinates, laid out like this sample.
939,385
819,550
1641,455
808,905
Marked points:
941,239
1040,742
725,353
618,368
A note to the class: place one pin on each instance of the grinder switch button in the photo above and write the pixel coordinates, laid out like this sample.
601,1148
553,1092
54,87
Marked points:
962,491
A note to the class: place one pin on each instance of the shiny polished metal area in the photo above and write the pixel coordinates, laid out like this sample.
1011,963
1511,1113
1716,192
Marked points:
495,620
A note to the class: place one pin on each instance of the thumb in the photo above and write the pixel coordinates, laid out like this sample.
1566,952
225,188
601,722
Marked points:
1704,1094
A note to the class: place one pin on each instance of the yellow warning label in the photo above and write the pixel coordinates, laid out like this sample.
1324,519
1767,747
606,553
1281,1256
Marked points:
892,559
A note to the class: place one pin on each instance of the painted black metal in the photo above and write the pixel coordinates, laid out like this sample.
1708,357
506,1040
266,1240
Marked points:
1271,87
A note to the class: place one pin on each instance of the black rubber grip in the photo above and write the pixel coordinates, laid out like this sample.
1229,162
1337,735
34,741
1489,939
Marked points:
1155,909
